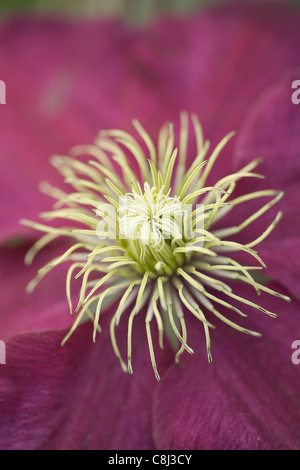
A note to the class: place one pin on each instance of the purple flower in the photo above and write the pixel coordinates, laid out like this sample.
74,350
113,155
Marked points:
233,66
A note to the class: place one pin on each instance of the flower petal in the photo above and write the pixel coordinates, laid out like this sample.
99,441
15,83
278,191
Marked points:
76,396
220,60
247,398
20,311
76,78
214,64
272,130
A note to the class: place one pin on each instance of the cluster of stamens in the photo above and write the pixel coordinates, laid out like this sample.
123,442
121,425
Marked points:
147,238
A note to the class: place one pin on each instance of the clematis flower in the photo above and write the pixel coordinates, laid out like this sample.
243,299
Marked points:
77,396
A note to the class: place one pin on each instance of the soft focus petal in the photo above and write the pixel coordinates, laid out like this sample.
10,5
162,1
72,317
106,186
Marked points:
283,263
272,131
76,396
219,62
79,77
247,398
76,78
20,311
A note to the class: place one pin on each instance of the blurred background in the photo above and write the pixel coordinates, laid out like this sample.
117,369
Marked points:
134,11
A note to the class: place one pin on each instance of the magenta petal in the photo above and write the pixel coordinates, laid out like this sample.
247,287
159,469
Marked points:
247,398
45,308
220,61
283,261
272,131
76,396
78,77
28,130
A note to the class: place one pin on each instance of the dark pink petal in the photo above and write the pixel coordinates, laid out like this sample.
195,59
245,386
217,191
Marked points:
247,398
282,258
45,308
30,65
272,131
76,396
67,80
220,61
64,82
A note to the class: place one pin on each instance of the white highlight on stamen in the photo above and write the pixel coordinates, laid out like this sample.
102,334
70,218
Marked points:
150,216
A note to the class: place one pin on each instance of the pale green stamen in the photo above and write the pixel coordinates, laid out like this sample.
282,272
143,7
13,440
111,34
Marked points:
150,253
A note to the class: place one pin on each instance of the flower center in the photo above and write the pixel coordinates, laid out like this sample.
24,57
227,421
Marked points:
156,250
151,224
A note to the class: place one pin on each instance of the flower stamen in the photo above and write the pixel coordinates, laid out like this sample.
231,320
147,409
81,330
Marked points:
148,241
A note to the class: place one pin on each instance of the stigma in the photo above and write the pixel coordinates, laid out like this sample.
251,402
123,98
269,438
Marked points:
145,235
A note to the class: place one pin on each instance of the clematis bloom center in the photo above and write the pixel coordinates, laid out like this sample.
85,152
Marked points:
152,223
150,239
